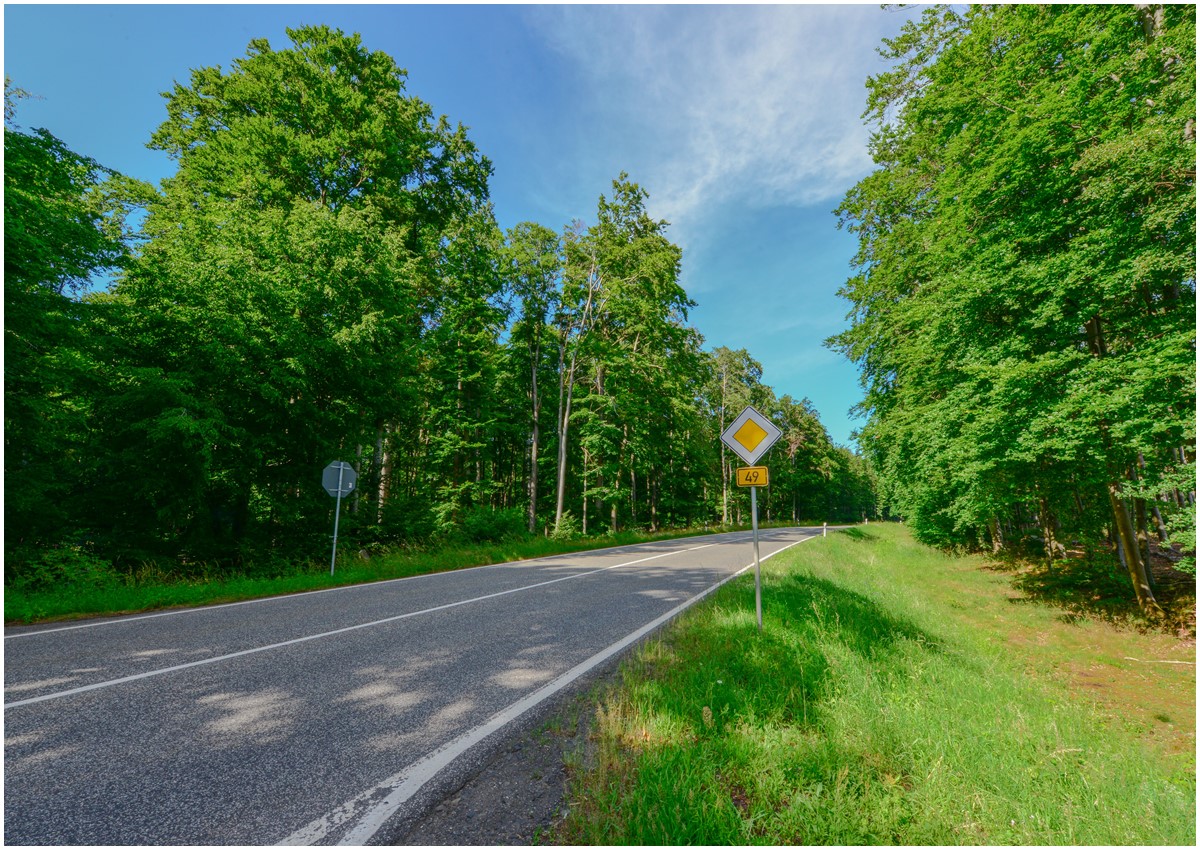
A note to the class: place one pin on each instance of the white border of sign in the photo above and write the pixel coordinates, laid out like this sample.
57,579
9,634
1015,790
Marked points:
773,434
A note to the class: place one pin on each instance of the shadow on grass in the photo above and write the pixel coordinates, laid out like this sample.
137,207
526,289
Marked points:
827,610
721,659
1094,588
858,533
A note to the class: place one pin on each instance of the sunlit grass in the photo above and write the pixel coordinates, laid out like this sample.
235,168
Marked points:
895,696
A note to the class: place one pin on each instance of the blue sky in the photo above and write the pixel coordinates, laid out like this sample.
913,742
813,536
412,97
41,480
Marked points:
741,122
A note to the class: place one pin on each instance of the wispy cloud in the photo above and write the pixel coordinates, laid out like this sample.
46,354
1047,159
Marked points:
715,106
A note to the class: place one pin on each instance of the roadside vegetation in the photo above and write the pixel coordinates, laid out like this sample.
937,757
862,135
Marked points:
78,586
1023,309
323,278
896,695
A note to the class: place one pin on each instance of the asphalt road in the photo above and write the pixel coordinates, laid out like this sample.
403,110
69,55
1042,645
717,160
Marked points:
321,718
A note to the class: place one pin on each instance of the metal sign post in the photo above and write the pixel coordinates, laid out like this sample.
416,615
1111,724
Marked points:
338,479
757,568
750,436
337,515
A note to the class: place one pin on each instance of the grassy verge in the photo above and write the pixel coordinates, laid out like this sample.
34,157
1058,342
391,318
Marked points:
150,589
895,696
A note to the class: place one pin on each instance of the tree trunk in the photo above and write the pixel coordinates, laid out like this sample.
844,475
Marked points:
1152,17
533,479
1143,538
724,462
996,534
534,437
564,419
583,526
1159,524
1127,540
385,479
378,462
654,485
1046,521
632,498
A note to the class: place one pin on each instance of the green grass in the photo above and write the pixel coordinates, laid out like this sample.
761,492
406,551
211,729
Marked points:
895,696
150,588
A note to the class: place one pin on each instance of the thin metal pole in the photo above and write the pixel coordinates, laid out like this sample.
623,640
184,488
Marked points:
757,569
337,515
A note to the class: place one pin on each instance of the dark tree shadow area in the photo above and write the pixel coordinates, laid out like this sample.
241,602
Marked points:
858,533
1090,584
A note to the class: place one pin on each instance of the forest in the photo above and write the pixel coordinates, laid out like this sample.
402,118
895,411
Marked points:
323,278
1023,308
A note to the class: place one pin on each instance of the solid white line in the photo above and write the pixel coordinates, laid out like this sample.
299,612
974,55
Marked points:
214,660
370,816
200,608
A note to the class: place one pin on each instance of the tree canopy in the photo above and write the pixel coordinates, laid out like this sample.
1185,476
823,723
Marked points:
323,278
1024,309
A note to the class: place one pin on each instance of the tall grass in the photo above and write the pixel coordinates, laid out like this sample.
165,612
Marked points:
881,704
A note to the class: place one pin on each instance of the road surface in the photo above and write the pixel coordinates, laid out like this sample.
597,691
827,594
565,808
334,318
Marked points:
320,718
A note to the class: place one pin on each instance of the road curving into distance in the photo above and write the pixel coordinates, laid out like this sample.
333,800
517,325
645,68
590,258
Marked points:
321,718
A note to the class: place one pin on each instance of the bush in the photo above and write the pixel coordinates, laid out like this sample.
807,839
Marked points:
55,569
406,519
485,525
568,529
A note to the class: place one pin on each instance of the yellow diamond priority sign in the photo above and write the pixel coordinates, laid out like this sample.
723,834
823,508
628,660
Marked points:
750,435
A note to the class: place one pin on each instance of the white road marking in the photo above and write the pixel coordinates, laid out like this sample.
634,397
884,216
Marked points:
371,809
200,608
149,673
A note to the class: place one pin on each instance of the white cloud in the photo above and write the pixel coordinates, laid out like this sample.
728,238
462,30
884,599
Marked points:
724,105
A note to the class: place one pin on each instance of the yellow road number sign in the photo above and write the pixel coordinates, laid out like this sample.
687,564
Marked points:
752,476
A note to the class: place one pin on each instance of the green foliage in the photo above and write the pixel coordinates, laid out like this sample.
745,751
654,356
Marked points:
323,279
151,585
485,525
293,262
568,528
63,571
1024,310
63,224
1180,521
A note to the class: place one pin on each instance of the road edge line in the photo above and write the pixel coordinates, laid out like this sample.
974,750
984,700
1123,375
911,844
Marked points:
402,786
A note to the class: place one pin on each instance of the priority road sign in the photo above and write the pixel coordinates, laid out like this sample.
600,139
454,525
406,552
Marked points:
751,435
